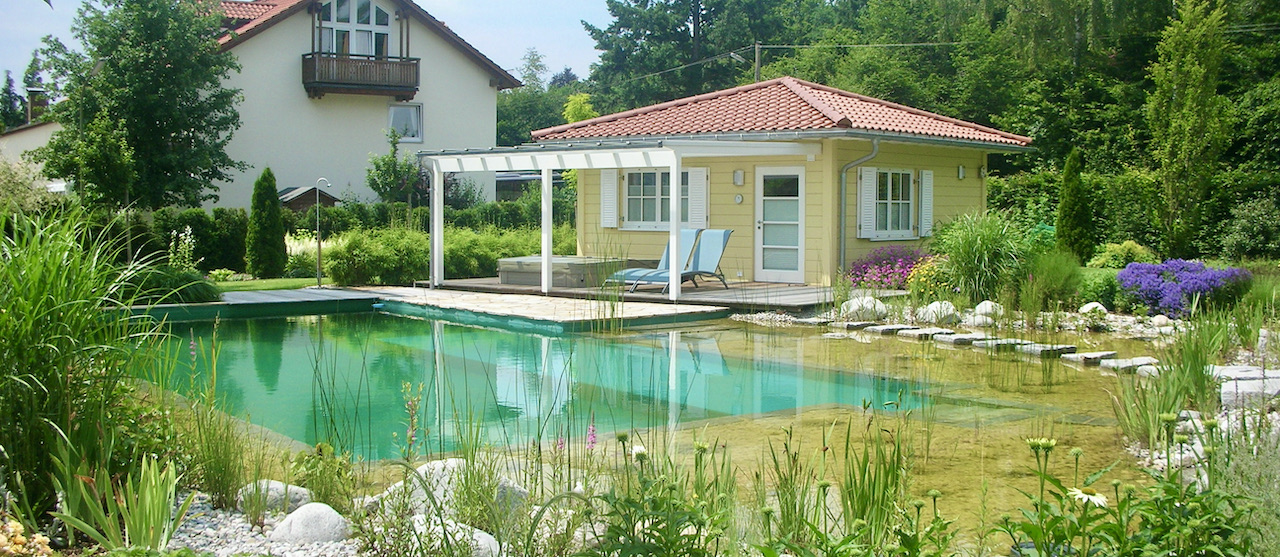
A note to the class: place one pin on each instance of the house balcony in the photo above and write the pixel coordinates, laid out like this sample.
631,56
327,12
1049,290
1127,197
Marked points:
352,74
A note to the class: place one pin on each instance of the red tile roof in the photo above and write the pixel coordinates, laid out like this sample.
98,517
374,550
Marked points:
783,104
237,9
253,17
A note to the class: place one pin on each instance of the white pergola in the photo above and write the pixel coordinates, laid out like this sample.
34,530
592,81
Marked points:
586,155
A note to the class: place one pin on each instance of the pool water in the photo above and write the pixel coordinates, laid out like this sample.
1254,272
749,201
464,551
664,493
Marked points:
344,378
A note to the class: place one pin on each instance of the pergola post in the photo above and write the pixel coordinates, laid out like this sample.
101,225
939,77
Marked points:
547,227
437,226
677,265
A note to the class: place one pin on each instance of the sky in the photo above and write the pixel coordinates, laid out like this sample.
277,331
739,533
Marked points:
502,29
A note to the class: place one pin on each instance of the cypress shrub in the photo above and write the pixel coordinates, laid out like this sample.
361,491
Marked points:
265,250
230,227
1075,228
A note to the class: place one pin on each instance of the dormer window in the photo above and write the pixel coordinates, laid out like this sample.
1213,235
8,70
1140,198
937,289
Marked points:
367,32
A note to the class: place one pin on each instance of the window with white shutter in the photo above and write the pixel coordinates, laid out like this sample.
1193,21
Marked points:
609,198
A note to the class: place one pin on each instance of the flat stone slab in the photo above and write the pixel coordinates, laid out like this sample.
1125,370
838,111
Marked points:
1233,373
1248,392
888,330
963,339
813,321
853,325
1089,358
1128,364
1047,350
1000,344
925,333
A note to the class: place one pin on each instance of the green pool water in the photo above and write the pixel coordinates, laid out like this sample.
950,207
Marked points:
343,377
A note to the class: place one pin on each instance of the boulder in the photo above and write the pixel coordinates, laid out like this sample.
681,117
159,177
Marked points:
941,313
433,528
280,496
442,477
1092,307
988,308
1161,321
311,523
980,321
865,308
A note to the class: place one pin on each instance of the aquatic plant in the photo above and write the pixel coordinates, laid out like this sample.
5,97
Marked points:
141,513
1173,287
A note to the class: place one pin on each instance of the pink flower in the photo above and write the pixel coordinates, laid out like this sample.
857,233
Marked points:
591,435
560,444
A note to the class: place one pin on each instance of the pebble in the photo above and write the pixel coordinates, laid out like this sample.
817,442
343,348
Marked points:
226,533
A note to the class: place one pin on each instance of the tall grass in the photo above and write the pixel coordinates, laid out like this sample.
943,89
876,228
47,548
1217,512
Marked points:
215,440
984,252
66,343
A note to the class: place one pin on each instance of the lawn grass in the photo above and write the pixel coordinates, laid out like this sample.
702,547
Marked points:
268,284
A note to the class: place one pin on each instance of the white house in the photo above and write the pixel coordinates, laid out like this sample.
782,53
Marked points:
322,81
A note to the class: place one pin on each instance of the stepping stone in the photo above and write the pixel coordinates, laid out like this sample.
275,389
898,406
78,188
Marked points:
835,335
924,334
1128,364
1248,392
964,339
813,321
1047,350
853,325
888,330
1089,358
1000,344
1234,373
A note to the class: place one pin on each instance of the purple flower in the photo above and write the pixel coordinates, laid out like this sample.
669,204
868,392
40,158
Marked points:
591,435
1172,286
560,444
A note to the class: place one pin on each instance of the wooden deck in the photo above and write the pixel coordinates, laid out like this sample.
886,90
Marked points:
740,296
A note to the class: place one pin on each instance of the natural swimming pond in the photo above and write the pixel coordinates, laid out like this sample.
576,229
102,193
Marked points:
345,377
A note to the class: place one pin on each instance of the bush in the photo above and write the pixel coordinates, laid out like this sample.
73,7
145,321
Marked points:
230,231
1173,287
265,250
1051,277
1253,231
387,256
1100,285
885,267
168,285
475,253
167,221
984,253
1118,256
1027,199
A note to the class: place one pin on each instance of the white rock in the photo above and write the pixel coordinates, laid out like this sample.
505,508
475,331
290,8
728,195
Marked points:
482,543
1147,370
942,313
865,308
1093,307
276,494
442,477
1161,321
980,321
988,308
311,523
1248,392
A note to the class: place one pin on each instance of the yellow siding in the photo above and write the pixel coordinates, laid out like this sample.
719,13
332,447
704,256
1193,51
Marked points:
951,197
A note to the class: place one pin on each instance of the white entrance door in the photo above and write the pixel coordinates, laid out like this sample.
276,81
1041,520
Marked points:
780,224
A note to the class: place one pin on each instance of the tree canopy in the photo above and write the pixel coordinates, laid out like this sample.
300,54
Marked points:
147,85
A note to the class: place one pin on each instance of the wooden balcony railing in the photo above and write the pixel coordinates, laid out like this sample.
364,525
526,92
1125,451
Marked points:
324,72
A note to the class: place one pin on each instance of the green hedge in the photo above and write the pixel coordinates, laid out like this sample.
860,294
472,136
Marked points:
400,256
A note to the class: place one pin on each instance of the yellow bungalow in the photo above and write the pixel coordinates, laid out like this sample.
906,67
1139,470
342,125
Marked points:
807,176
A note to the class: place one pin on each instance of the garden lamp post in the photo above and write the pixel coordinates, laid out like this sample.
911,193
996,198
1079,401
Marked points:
318,244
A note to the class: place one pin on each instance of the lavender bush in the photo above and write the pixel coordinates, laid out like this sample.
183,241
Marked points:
1170,287
885,267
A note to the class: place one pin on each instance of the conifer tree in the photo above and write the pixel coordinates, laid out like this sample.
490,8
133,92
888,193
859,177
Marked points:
265,251
1075,228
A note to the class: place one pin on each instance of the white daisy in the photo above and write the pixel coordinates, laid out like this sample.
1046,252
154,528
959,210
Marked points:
1088,495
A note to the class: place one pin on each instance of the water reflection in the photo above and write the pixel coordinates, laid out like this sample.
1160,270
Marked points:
339,378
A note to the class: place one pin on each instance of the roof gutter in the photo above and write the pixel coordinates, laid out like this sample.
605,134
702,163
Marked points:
844,198
895,137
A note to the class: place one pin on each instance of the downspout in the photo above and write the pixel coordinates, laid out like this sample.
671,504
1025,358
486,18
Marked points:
844,197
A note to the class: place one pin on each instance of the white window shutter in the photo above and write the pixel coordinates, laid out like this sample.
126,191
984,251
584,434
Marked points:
926,203
609,198
867,202
697,197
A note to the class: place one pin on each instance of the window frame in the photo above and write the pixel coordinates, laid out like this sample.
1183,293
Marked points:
890,204
379,33
417,107
663,201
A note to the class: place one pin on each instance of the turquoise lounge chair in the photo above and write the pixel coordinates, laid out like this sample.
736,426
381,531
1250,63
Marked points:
704,262
636,276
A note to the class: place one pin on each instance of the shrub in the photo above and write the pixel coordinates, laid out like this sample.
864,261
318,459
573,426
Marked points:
1253,231
221,275
1075,211
230,231
1052,276
1027,199
1100,286
984,251
1117,256
170,285
385,256
1172,287
264,250
168,221
885,267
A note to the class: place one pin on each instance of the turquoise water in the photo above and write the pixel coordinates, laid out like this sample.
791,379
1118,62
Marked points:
342,378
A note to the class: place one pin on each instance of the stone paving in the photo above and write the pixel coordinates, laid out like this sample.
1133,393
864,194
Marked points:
544,308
